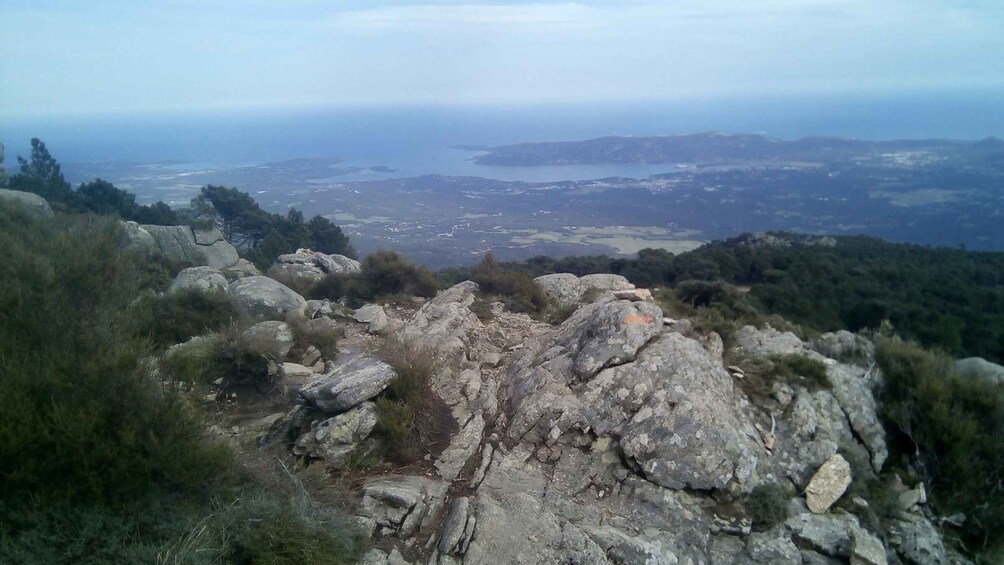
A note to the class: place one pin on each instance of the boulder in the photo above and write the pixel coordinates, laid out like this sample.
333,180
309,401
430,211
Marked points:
348,384
202,279
242,268
265,297
977,367
31,202
138,238
306,267
828,484
271,338
182,243
867,549
563,288
846,347
374,316
335,439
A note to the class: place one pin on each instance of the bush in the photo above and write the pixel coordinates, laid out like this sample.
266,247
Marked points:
80,420
412,421
952,427
321,335
173,318
767,506
384,274
796,368
515,288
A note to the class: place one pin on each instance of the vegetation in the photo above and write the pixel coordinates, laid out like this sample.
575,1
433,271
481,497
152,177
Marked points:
513,287
949,298
412,421
767,506
806,371
41,174
173,318
952,428
262,236
384,274
100,463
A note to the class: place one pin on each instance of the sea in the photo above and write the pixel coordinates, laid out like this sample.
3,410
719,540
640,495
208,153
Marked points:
420,140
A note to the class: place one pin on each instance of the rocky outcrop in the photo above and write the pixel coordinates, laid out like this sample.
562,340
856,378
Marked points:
182,243
270,338
200,279
566,288
32,203
306,267
242,268
265,297
445,324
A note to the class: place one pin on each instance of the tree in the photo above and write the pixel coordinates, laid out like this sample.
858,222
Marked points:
326,237
42,175
3,171
101,197
243,223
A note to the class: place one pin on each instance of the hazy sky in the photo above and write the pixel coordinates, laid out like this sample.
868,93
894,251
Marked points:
128,56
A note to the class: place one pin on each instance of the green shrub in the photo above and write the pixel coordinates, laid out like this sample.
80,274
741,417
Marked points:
412,421
559,313
952,427
515,288
310,332
173,318
767,506
80,420
384,274
800,369
482,309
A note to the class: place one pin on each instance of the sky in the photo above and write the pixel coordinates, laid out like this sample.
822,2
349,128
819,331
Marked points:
118,57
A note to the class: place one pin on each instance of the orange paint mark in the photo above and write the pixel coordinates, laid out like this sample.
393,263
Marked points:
638,319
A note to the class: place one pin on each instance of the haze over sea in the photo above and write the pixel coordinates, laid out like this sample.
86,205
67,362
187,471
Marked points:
423,139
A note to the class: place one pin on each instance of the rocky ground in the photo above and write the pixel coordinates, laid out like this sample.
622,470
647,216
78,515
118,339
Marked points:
617,436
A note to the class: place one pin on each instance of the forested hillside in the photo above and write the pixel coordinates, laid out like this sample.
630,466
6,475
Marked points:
947,298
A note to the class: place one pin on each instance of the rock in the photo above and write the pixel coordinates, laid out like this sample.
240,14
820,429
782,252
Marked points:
603,282
335,439
829,534
29,201
867,549
910,498
400,505
977,367
636,295
337,263
202,279
306,267
395,558
138,238
265,297
563,288
348,384
445,324
774,546
610,370
182,243
242,268
918,542
522,531
845,347
851,389
317,309
374,315
828,484
454,526
768,342
373,557
270,338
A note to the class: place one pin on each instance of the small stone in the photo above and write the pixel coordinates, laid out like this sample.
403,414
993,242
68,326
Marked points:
828,484
866,549
909,499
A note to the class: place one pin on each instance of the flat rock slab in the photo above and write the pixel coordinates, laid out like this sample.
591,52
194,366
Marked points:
828,484
348,385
